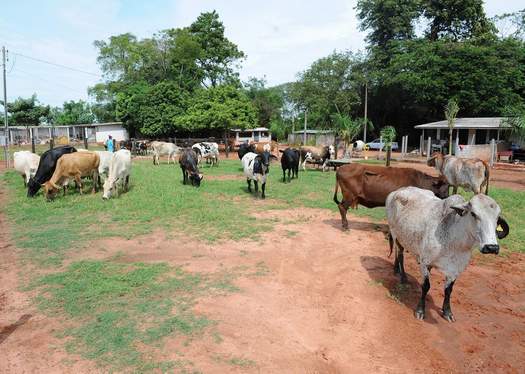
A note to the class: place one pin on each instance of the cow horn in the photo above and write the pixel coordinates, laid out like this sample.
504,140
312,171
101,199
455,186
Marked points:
504,228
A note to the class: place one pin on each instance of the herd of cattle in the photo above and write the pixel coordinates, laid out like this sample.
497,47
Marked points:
438,229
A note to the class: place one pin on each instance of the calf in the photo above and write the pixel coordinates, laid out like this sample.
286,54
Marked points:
441,234
208,151
26,164
317,155
46,168
290,162
164,148
245,148
256,167
369,185
119,169
470,173
73,166
188,161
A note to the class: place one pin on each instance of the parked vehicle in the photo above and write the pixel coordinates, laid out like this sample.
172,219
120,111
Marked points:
377,145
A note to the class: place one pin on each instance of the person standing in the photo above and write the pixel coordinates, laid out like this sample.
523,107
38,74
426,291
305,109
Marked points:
110,144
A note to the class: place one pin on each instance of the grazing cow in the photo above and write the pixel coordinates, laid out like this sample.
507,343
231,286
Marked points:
256,167
164,148
119,170
46,168
245,148
207,150
369,185
317,155
290,162
441,234
26,164
188,161
73,166
105,161
470,173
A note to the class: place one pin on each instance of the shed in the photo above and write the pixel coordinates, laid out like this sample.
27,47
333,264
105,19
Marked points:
313,137
258,134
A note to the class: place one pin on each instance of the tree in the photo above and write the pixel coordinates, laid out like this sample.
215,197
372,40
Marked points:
451,111
267,101
330,85
515,118
73,112
219,55
27,112
387,20
456,19
220,108
511,24
388,134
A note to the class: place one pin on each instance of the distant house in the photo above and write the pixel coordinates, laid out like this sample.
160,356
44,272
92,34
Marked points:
313,137
259,134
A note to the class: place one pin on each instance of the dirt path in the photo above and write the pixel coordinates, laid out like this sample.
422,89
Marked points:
327,302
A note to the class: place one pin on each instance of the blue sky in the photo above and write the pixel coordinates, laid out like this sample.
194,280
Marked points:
281,38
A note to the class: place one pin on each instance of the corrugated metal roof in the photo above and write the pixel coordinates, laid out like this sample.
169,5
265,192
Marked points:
314,132
480,123
66,126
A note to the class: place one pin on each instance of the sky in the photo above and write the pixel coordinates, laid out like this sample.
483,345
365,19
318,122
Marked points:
281,38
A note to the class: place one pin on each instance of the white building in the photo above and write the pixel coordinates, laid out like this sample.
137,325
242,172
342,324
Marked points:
259,134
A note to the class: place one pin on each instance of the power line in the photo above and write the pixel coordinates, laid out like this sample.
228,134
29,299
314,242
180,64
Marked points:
57,65
53,82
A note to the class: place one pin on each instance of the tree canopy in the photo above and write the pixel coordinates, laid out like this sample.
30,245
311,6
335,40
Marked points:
27,112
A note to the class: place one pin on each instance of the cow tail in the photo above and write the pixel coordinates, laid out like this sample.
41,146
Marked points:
487,177
391,244
335,192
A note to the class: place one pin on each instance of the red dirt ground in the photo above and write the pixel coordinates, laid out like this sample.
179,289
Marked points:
328,304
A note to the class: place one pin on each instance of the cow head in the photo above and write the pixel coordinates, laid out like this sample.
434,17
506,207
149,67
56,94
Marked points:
435,160
196,179
108,186
32,187
440,187
50,190
481,218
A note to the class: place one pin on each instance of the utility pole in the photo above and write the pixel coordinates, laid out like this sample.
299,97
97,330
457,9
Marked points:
6,128
366,111
304,132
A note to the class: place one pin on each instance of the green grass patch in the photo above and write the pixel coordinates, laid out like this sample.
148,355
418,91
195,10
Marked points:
115,308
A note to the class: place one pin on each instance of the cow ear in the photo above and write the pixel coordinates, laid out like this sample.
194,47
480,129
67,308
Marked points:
201,176
461,209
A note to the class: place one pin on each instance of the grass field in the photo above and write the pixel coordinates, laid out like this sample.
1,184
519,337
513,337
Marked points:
112,308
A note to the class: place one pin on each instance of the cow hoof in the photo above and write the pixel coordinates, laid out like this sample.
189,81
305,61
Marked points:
448,316
419,314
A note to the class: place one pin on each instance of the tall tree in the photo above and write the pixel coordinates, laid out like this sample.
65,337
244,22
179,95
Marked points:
73,112
387,20
267,101
219,55
451,112
456,19
27,112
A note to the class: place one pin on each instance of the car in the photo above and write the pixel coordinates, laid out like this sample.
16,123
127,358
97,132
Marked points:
377,145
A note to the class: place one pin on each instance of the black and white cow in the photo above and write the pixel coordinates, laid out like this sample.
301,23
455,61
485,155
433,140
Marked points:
317,155
46,168
188,161
208,151
290,162
256,168
245,148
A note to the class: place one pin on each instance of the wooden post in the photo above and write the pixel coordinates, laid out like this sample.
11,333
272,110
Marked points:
429,147
32,140
493,153
380,146
85,138
226,146
421,144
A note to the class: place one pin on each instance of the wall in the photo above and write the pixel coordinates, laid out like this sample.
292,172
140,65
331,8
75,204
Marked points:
474,151
117,132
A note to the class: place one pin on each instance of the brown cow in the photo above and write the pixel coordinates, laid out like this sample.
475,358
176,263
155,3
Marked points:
261,147
369,185
73,166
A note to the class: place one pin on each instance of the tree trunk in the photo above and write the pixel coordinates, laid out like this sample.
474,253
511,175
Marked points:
388,155
450,131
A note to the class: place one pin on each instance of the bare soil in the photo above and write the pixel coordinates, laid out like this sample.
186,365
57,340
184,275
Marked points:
323,301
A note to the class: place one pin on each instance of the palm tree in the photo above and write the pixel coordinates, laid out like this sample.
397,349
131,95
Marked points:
388,134
451,111
516,120
348,129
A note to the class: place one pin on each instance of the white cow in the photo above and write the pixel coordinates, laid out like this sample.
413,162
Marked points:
470,173
208,151
441,234
164,148
256,168
26,163
119,170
